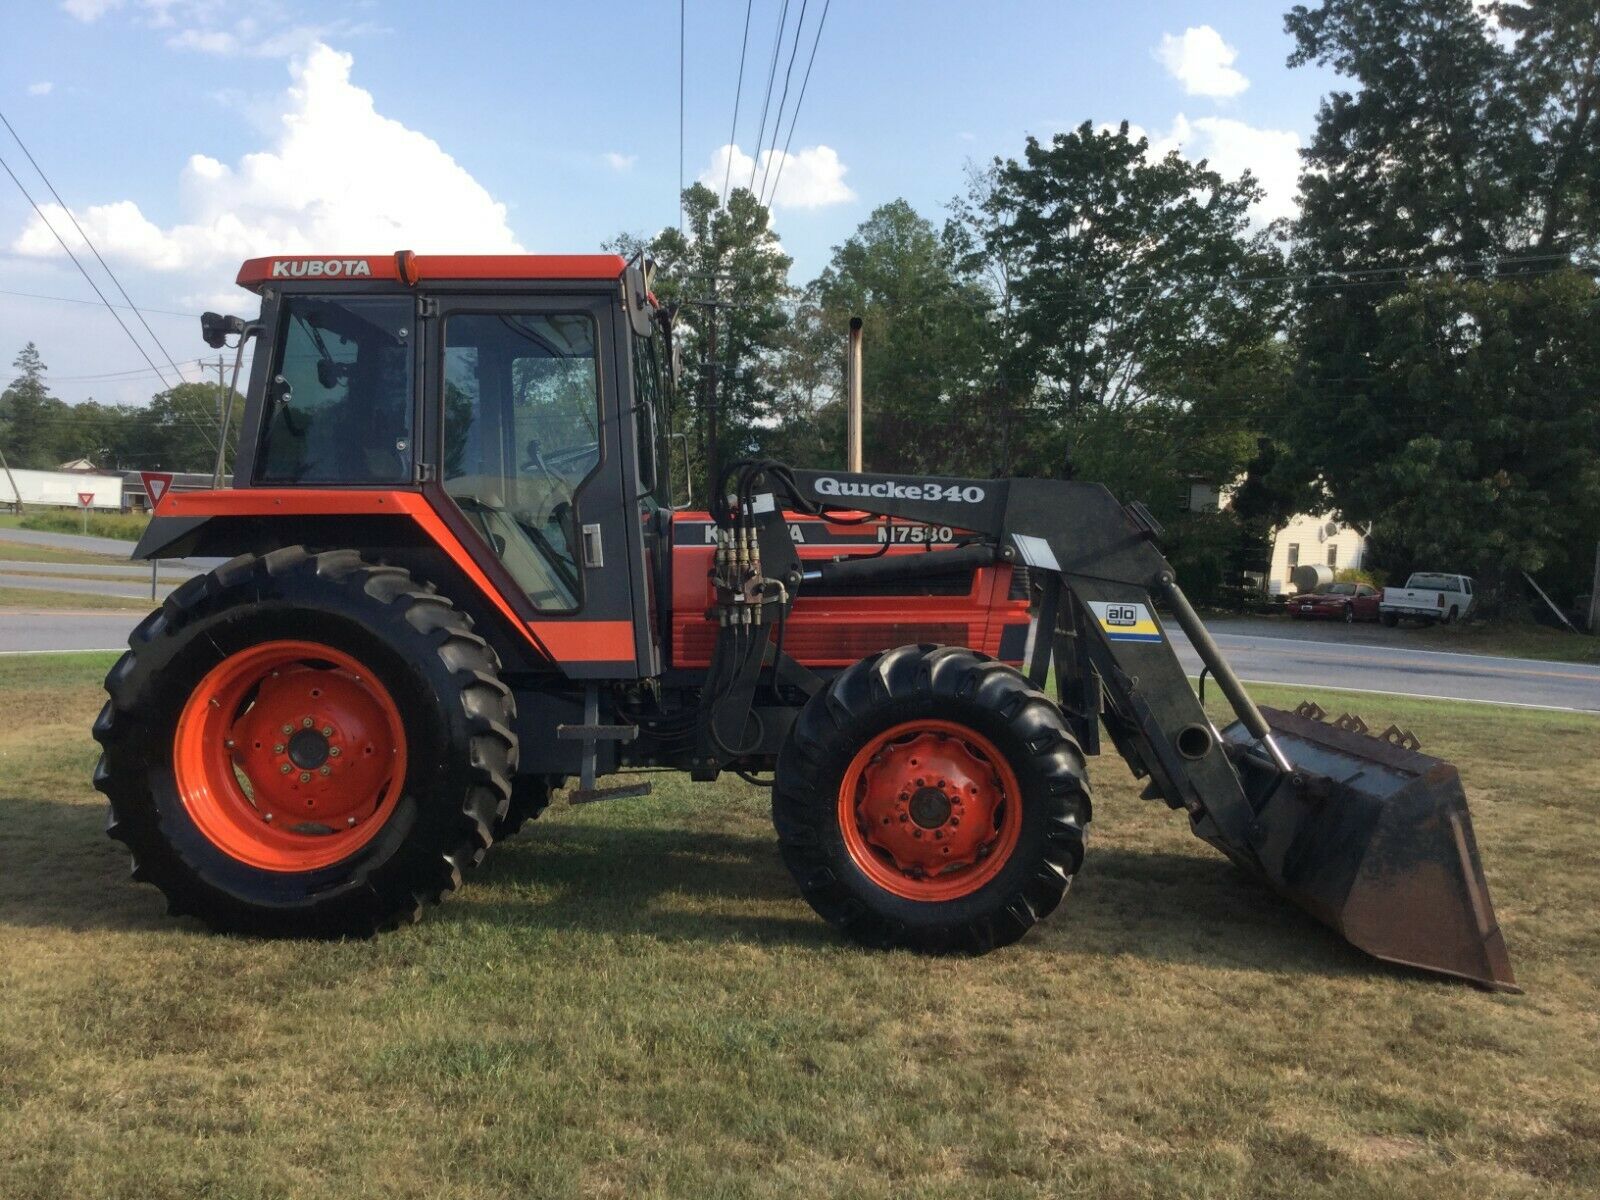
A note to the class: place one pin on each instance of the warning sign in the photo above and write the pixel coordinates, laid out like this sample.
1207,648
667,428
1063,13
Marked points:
86,498
156,485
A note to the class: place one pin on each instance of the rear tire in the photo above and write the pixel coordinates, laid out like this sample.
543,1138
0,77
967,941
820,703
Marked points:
959,727
530,796
350,849
1349,614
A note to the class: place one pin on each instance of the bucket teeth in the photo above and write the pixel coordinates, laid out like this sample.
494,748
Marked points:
1311,710
1351,723
1403,738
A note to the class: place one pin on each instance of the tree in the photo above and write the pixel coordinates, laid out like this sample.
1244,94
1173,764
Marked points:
1144,307
1458,158
925,367
30,417
725,270
1496,468
1555,76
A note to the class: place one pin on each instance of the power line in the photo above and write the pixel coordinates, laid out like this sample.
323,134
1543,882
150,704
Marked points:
86,241
772,74
681,75
801,99
788,74
138,345
167,312
738,91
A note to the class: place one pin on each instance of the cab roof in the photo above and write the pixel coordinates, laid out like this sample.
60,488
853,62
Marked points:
406,267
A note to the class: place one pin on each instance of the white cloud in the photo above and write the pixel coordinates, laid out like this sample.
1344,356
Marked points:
89,10
1201,61
1232,147
43,88
620,162
808,178
341,178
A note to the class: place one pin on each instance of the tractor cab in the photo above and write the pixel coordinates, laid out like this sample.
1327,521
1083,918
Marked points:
522,396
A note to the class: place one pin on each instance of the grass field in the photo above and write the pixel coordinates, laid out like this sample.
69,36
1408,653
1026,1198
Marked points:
1513,641
631,1001
127,526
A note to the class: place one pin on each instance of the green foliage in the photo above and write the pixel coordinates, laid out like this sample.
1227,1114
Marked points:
128,527
175,431
1141,308
925,334
1444,383
1372,578
725,269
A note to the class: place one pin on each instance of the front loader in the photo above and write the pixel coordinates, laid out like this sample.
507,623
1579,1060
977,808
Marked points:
456,583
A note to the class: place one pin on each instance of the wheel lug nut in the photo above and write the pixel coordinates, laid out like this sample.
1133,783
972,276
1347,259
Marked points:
307,722
305,776
266,816
324,770
327,731
350,821
334,752
288,729
277,748
285,769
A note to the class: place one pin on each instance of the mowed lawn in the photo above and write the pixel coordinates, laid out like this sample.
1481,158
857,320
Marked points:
630,1000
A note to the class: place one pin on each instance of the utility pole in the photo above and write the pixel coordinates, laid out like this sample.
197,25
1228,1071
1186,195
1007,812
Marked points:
12,480
222,419
1594,594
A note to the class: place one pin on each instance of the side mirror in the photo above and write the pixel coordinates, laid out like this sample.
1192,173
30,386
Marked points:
216,329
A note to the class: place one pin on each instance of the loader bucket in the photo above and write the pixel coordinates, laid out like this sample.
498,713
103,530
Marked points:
1373,838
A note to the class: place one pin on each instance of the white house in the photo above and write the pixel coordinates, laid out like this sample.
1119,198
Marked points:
1310,538
1305,539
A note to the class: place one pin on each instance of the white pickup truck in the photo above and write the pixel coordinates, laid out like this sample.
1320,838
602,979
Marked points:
1427,596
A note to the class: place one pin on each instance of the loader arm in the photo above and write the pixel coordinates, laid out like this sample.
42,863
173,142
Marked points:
1366,834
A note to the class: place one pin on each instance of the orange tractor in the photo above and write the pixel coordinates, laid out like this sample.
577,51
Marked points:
456,582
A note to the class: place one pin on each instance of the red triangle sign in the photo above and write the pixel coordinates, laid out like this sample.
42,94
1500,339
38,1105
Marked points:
156,484
86,498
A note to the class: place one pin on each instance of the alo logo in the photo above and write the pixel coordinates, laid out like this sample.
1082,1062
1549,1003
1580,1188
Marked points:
1122,614
953,493
320,268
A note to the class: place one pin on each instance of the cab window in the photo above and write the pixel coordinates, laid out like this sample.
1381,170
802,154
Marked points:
649,398
521,436
339,400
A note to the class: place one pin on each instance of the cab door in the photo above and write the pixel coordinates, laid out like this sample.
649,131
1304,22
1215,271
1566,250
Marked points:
529,443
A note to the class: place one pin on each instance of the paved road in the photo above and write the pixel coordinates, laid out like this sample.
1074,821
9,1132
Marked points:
1259,651
1337,657
115,547
130,589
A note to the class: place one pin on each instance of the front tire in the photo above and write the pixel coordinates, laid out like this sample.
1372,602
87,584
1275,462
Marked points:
302,744
879,773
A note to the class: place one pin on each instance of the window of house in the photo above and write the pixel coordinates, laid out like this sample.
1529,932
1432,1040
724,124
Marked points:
1294,555
1333,556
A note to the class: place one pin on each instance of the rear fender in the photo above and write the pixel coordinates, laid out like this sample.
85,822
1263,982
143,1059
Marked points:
399,527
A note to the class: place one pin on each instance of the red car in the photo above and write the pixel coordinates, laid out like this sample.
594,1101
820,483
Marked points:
1339,601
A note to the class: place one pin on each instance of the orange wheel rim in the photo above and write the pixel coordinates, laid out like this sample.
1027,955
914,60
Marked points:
289,756
930,810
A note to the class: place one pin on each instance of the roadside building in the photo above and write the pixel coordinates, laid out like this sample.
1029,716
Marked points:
20,485
1306,539
1310,539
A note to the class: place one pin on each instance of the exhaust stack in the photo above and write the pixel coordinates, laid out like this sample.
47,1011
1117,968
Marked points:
852,376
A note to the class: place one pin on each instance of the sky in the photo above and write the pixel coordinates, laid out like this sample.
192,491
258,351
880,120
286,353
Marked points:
187,135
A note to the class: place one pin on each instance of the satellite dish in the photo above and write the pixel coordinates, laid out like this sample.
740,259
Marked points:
1332,529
